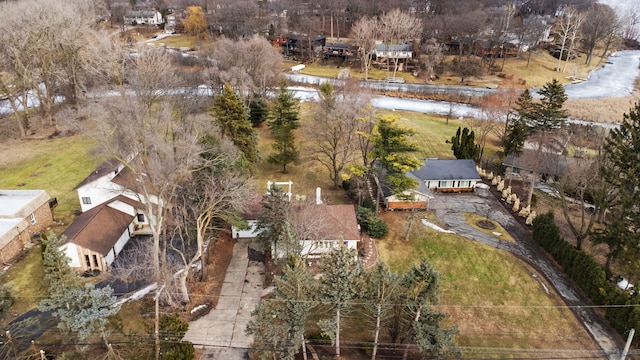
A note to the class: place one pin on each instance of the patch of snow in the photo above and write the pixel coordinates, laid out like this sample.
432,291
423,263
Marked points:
137,295
199,307
624,284
436,227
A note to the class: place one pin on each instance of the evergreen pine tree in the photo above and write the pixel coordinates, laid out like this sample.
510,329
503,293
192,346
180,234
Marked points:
464,144
232,117
258,110
284,119
341,271
82,310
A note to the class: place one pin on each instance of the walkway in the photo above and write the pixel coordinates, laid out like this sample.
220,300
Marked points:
448,209
221,332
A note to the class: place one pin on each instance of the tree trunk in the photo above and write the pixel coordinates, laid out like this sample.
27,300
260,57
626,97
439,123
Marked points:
338,333
376,332
411,218
304,348
415,319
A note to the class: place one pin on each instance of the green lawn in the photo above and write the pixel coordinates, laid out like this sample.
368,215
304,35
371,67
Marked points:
55,165
491,295
25,278
177,41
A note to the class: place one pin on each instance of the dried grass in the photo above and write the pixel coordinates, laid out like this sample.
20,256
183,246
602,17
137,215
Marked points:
490,294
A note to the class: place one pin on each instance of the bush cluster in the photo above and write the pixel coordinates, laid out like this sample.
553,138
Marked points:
371,223
589,275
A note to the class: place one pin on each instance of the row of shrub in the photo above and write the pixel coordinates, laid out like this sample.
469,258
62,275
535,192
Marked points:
622,307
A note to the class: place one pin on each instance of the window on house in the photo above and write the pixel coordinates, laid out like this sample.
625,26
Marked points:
515,170
464,184
87,261
86,200
95,261
446,183
32,218
140,218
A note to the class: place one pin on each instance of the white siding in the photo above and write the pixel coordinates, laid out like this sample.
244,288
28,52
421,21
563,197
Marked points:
99,191
246,234
71,251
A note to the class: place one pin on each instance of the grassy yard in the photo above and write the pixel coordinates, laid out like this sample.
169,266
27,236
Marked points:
490,294
25,278
177,41
55,165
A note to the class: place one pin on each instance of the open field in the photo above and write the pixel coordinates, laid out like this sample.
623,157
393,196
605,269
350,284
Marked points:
490,294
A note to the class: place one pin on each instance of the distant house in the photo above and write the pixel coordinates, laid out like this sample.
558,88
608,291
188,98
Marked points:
340,50
550,166
449,175
97,236
394,51
23,213
143,17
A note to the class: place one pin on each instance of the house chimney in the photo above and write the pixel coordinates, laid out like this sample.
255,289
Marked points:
318,197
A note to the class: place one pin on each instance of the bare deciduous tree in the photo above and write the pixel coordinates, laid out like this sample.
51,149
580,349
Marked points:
334,126
249,66
45,47
158,153
398,27
151,75
365,32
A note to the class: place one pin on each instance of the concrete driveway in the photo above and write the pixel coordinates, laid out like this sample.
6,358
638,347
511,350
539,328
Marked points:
221,331
448,209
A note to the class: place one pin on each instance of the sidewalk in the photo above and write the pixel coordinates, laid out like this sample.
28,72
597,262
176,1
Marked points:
221,332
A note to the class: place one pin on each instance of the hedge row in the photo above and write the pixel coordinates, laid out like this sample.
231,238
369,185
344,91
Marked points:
622,310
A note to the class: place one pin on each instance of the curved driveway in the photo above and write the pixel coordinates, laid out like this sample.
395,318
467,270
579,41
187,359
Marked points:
448,208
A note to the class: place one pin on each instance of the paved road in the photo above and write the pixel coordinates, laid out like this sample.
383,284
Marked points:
221,332
448,208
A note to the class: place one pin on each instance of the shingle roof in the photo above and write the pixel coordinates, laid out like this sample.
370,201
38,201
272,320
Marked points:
102,170
460,169
100,228
340,220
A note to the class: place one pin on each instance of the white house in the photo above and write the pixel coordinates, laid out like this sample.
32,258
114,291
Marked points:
323,227
394,51
97,236
458,175
143,17
112,212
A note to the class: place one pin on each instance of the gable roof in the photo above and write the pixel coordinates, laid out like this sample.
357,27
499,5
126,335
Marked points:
99,228
459,169
102,170
340,222
394,47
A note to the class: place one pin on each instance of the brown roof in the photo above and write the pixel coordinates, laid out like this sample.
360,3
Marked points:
102,170
340,220
99,228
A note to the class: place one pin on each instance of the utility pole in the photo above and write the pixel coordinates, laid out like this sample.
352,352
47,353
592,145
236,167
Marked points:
157,322
627,345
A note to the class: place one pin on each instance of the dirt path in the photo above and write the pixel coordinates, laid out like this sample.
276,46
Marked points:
448,209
